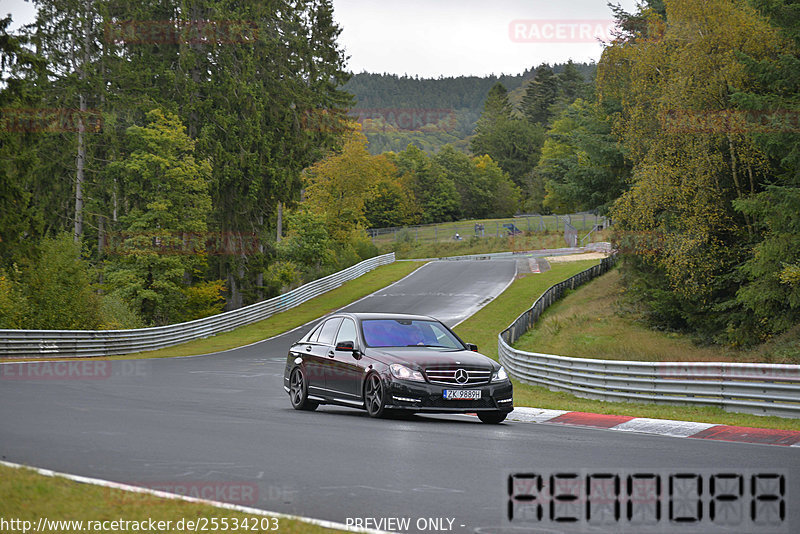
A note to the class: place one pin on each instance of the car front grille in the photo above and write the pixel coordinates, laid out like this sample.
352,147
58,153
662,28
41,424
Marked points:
448,375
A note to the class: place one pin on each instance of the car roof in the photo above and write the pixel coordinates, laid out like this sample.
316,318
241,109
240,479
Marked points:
361,316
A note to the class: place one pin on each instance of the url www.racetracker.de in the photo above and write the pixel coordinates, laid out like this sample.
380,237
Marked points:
200,524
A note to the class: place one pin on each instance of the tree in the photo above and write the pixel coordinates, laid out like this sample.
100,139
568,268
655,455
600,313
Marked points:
505,193
496,111
57,290
571,83
391,204
243,94
340,186
513,143
485,190
162,244
541,95
582,164
307,241
770,291
435,193
674,81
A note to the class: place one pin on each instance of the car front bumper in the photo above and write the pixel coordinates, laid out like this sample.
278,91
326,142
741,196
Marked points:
427,397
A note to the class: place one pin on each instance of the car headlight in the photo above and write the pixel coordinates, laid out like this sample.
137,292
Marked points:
404,373
500,375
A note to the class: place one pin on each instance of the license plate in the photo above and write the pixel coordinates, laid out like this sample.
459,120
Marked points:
462,394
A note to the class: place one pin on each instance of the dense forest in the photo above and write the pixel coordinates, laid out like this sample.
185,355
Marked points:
157,172
380,97
153,159
698,95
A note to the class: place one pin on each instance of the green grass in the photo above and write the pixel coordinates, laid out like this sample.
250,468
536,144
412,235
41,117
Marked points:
587,324
29,496
473,245
284,321
483,328
491,227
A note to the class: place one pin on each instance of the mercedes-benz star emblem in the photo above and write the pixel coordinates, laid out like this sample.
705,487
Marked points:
462,376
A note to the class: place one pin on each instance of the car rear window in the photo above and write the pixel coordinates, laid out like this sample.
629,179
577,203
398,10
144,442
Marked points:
407,333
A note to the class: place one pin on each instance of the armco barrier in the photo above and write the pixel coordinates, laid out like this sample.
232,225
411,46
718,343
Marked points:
85,343
764,389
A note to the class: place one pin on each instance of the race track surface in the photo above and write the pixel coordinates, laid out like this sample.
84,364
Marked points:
224,422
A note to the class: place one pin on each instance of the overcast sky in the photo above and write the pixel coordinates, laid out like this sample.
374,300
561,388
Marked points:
433,38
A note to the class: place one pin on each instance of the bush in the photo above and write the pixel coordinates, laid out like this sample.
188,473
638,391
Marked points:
117,315
13,304
363,246
203,300
57,288
280,277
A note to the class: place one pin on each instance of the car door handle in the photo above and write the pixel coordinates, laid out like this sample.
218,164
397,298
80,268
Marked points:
308,348
331,354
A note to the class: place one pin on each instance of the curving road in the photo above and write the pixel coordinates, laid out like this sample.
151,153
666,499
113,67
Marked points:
223,422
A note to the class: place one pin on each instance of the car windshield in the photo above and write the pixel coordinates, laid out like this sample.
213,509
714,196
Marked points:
408,333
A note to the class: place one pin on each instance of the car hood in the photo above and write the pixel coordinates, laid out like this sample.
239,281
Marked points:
424,357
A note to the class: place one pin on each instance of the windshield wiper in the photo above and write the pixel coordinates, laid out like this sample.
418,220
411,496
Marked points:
436,346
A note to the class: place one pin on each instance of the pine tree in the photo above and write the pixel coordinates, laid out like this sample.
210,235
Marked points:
571,83
540,96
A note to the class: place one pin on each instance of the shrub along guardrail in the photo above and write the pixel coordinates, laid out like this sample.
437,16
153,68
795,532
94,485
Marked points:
85,343
763,389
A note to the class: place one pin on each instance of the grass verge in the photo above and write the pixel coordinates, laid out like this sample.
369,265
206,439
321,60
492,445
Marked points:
445,231
587,324
483,328
284,321
475,245
29,496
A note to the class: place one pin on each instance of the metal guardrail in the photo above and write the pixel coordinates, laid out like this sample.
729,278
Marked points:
85,343
763,389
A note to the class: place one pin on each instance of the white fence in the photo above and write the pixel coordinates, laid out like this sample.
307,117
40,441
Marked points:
764,389
84,343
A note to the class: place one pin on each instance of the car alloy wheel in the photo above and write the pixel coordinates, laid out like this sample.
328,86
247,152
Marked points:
374,396
298,392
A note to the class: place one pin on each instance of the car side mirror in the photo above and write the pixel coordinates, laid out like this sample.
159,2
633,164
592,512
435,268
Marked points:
346,346
472,347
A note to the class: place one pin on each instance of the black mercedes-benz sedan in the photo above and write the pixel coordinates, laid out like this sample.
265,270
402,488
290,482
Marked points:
380,362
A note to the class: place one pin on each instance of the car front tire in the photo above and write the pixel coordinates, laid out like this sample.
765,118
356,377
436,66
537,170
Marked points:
375,396
298,391
492,418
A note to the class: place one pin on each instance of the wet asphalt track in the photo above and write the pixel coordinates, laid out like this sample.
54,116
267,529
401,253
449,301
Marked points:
224,422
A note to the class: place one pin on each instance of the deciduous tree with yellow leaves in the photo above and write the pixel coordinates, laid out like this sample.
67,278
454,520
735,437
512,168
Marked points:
673,73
